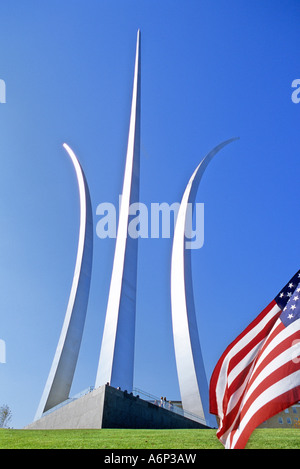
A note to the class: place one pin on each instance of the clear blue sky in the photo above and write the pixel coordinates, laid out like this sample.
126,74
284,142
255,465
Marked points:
211,70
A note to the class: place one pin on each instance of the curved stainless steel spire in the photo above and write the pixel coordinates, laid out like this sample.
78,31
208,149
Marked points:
63,367
190,367
117,350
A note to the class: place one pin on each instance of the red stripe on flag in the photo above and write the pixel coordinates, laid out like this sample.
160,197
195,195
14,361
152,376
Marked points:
267,411
250,345
274,352
271,379
218,368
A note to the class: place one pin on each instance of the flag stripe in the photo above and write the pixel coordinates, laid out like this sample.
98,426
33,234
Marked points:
231,348
271,408
219,377
284,366
244,362
279,388
283,342
264,328
280,352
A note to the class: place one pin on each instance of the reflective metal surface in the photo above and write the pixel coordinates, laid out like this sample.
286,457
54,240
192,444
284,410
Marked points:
190,367
62,370
117,350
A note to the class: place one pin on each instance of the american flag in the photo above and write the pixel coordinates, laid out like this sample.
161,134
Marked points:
258,375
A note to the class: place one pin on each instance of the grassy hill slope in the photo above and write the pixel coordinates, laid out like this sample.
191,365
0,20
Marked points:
140,439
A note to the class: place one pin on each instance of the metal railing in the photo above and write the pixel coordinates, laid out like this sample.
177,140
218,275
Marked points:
160,402
168,405
70,399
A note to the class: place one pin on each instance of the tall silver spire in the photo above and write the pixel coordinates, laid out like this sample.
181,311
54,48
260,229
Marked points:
116,360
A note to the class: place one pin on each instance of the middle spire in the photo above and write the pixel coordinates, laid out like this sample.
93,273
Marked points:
116,362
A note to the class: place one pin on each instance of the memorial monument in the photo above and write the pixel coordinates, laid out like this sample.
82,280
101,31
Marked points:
105,405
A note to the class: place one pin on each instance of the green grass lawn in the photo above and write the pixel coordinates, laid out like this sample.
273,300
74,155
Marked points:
141,439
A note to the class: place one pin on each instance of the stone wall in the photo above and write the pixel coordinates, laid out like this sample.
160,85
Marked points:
107,407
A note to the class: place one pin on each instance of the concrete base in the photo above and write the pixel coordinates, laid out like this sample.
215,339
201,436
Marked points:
107,407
